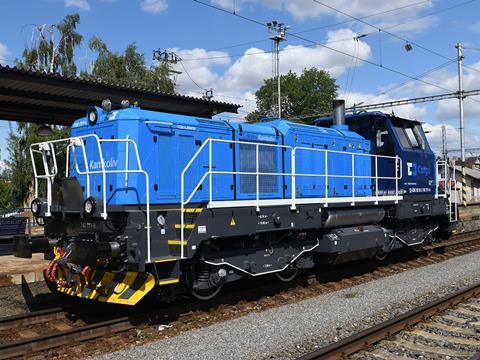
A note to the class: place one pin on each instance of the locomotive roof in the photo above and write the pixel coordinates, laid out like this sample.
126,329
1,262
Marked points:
137,113
284,126
366,114
266,128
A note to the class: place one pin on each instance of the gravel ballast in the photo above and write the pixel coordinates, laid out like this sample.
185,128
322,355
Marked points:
290,330
19,299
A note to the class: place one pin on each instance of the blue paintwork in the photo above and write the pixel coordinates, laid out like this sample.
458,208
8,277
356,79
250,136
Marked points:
418,165
167,142
313,162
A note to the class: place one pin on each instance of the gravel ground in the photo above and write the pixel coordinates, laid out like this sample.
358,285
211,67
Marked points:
18,299
290,330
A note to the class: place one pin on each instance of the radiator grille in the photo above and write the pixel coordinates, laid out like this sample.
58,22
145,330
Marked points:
267,159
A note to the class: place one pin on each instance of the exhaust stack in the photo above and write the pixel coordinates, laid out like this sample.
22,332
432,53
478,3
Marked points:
339,115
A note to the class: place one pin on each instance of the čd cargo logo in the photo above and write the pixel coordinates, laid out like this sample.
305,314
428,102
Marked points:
413,169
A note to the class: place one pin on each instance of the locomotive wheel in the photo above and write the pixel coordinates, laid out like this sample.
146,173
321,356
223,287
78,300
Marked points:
288,274
201,273
206,294
381,255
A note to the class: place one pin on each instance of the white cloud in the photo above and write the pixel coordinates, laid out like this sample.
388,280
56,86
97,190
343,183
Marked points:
446,81
448,109
434,136
81,5
406,111
250,70
3,53
236,81
199,63
154,6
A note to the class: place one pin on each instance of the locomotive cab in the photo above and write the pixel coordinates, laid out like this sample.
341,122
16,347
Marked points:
394,136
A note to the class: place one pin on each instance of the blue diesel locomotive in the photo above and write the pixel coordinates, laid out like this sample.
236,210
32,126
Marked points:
179,204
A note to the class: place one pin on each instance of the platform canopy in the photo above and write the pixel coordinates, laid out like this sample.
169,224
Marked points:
42,98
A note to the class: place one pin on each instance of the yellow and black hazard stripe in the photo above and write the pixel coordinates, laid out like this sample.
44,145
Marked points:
193,210
126,288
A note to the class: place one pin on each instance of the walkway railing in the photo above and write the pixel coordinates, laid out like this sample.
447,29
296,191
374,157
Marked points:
446,187
50,169
292,200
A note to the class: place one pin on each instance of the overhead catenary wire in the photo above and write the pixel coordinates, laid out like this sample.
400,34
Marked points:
379,29
367,61
352,19
298,32
393,103
423,74
436,12
386,31
335,24
294,47
221,95
391,34
326,26
354,59
188,74
364,17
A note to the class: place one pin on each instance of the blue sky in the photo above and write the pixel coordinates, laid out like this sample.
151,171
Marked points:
204,37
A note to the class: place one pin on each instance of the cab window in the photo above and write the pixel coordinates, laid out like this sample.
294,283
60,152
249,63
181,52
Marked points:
383,141
402,137
410,137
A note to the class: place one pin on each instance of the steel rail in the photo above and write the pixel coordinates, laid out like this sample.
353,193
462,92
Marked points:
457,239
71,336
31,318
372,335
91,331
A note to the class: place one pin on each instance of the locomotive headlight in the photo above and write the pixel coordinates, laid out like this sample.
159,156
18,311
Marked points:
92,115
36,207
90,205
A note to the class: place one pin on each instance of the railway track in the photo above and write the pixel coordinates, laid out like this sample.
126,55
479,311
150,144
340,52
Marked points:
42,330
59,328
448,328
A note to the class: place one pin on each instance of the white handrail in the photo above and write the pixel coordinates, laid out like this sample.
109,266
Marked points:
78,141
257,178
257,173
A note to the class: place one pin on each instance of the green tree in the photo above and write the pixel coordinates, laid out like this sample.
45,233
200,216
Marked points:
19,163
128,68
312,92
49,55
5,198
52,49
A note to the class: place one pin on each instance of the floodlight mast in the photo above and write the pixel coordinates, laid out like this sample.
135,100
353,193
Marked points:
278,33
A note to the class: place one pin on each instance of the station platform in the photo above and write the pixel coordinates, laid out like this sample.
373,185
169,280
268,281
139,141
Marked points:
15,271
